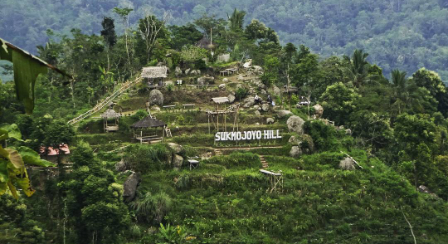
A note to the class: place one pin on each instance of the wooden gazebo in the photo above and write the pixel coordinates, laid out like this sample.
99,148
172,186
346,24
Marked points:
146,130
110,114
213,115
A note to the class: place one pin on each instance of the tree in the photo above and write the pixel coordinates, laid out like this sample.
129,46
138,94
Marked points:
184,35
150,28
236,20
339,102
434,84
123,13
109,35
95,205
357,67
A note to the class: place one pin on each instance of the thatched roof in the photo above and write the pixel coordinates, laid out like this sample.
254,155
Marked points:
110,113
220,100
148,122
155,72
204,43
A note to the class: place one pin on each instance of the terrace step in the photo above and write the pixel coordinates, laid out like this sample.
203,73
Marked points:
263,162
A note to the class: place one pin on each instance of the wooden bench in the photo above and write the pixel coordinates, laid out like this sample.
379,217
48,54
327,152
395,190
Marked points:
189,106
169,107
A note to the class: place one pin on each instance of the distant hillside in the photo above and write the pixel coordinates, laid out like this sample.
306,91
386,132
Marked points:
398,34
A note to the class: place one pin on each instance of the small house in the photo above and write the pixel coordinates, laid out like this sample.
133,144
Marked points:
110,120
52,154
147,130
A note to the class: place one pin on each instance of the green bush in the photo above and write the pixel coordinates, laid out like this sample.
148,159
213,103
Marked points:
237,159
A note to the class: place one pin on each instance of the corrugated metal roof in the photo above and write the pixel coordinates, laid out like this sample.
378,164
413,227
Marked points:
220,100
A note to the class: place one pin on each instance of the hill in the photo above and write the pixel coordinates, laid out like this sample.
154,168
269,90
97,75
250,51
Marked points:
398,34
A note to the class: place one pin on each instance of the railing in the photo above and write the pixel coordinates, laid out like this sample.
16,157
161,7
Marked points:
105,102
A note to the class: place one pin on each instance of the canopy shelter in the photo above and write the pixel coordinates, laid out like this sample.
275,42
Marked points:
213,115
155,76
148,128
110,114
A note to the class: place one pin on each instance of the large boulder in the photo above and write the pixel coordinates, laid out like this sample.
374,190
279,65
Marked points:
270,120
175,147
231,98
295,124
257,113
347,164
276,91
265,107
177,161
222,86
295,152
249,102
178,71
293,140
195,72
258,70
225,80
156,97
187,71
318,110
283,113
155,108
130,186
121,166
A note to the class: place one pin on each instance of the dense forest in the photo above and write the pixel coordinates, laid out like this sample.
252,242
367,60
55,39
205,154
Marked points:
362,155
398,34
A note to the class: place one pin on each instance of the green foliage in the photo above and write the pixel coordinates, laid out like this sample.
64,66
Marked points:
339,101
245,160
241,93
144,158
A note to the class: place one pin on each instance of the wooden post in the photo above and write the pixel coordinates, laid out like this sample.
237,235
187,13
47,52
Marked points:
141,136
208,120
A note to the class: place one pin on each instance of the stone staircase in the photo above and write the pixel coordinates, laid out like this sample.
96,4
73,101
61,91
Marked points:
263,162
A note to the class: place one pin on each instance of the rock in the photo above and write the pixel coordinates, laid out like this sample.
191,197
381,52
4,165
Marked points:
257,107
223,58
248,63
258,70
239,86
251,91
276,91
347,164
177,161
295,124
263,92
187,71
293,140
348,132
169,82
308,141
283,113
249,102
318,110
120,166
424,189
195,72
156,97
270,121
340,127
231,98
225,80
176,147
257,113
240,77
222,86
295,152
178,72
265,107
155,108
257,123
130,186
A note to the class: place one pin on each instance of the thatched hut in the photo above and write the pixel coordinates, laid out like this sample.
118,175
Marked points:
155,75
109,115
147,129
